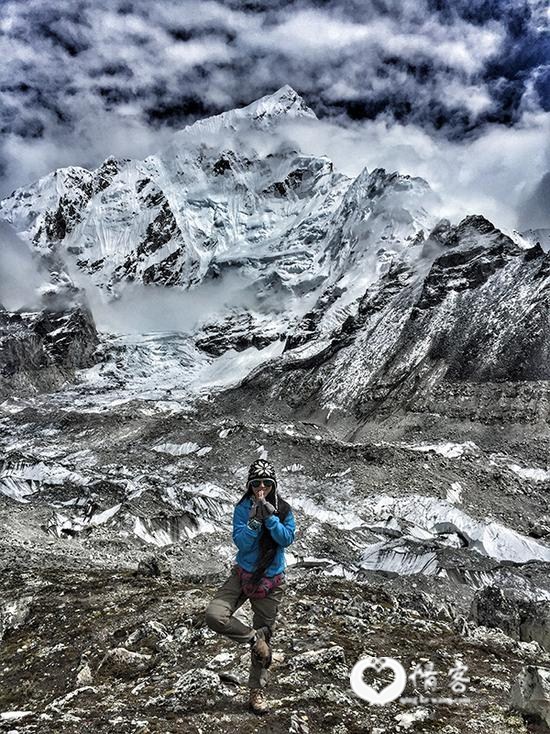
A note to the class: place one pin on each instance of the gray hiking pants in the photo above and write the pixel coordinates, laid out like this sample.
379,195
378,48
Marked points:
227,599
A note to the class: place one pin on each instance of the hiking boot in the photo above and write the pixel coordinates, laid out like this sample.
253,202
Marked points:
257,703
260,650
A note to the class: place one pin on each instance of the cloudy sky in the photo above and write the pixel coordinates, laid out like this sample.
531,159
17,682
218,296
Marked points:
430,84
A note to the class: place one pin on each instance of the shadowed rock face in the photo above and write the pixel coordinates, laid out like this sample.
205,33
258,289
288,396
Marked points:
474,324
237,333
39,350
519,618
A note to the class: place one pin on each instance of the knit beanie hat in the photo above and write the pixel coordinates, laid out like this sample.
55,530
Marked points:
262,469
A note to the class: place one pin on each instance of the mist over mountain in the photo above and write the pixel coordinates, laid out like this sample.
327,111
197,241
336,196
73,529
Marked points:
234,295
235,238
455,93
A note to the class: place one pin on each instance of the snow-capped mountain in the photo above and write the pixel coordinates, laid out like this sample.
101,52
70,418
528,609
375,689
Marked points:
353,291
207,202
456,327
227,205
207,208
393,365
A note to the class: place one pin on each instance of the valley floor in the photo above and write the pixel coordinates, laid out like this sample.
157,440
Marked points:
396,539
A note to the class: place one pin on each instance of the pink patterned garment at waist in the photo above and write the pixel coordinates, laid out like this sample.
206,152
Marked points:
265,586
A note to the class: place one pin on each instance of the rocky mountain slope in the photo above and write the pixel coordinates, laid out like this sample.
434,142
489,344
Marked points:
152,665
420,549
466,315
363,300
392,364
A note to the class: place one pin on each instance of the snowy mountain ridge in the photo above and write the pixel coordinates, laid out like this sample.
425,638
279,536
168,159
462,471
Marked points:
250,301
288,260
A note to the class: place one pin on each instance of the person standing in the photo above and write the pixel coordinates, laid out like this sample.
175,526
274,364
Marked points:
263,526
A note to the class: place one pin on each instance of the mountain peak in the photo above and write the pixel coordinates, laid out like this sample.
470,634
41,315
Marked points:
380,180
285,103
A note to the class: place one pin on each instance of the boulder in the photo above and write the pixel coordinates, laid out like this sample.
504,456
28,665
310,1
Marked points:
522,619
148,567
125,663
530,693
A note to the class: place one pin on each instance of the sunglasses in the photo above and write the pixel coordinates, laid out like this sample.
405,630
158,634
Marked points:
257,483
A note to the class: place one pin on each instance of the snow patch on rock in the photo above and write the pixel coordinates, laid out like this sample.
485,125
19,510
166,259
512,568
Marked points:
448,449
489,538
531,474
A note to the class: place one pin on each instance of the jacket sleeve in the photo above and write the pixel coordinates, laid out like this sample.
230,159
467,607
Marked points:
282,533
243,536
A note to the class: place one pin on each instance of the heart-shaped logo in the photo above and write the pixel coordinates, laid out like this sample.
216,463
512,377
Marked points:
368,693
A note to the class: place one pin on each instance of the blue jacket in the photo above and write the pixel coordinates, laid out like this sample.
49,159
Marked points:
248,540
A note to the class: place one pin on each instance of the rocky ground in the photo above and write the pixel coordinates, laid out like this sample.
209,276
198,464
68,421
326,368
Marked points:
392,365
108,650
453,569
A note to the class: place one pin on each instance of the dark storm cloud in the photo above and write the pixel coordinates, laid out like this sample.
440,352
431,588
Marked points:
82,79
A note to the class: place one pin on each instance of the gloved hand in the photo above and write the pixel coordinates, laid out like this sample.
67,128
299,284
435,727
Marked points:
265,508
261,512
253,511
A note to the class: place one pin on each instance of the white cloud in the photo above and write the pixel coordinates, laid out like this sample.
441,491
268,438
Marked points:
19,272
461,45
311,31
97,135
142,308
200,14
490,175
475,97
192,53
17,50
